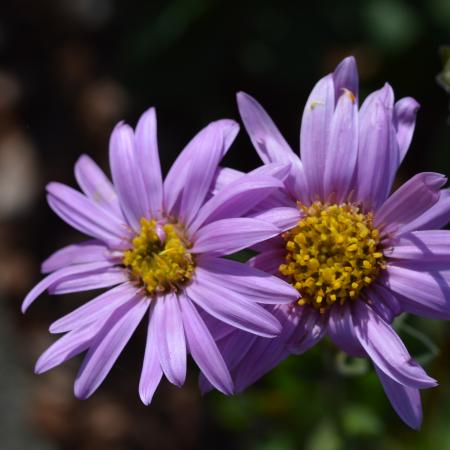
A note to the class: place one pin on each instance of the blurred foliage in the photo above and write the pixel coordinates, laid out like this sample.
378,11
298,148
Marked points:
69,69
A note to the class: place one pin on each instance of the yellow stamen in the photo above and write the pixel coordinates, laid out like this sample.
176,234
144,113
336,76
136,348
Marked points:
332,254
159,265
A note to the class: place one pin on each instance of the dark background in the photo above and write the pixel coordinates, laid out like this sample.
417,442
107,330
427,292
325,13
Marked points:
69,70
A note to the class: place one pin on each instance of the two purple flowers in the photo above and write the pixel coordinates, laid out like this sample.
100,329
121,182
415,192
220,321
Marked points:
337,254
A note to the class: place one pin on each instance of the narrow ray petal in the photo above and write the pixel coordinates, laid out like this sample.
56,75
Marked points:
96,185
345,77
58,276
204,350
228,236
68,346
386,349
405,121
413,198
97,279
341,331
378,155
258,285
265,136
127,176
79,212
176,179
236,199
232,307
170,339
84,252
107,346
151,369
342,149
405,400
94,310
315,132
437,216
423,293
147,159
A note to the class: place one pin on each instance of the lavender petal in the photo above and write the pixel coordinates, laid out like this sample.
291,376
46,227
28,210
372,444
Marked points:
147,159
96,185
404,399
204,350
405,121
228,236
107,346
151,369
232,307
84,252
95,309
386,349
409,201
170,339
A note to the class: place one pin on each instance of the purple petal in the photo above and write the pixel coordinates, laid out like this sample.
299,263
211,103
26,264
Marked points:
283,217
263,355
437,216
94,310
176,179
423,293
265,136
405,121
341,331
218,329
232,307
96,279
84,252
315,133
256,284
342,149
378,155
96,185
223,177
170,339
107,346
204,350
269,260
228,236
386,349
58,276
236,199
151,370
310,329
383,302
345,77
405,400
127,176
68,346
85,216
427,248
410,200
209,151
147,159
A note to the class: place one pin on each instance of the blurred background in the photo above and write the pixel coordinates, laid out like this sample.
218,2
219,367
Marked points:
69,70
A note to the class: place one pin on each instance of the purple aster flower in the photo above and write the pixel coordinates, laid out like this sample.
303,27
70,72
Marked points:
158,246
357,255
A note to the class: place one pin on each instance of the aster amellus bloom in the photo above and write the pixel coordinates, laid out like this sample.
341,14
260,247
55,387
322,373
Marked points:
160,245
358,255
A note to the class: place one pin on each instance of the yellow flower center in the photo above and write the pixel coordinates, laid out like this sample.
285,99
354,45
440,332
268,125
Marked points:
160,260
332,254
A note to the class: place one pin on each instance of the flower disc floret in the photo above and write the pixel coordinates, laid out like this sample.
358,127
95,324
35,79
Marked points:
159,259
332,254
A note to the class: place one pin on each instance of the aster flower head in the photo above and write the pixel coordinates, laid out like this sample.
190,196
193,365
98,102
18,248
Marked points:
358,255
158,246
